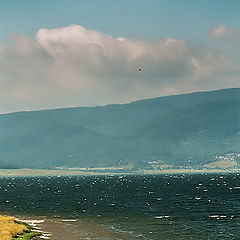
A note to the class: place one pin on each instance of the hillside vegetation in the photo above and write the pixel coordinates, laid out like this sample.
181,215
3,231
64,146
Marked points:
181,130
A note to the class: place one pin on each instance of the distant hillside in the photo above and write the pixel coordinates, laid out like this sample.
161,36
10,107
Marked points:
182,130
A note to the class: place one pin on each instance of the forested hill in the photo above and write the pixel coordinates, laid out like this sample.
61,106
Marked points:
181,130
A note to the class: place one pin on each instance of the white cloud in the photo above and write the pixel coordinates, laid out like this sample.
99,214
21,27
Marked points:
73,66
229,34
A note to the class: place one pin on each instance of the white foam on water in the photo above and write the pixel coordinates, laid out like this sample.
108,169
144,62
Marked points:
161,217
32,221
68,220
36,230
44,237
217,216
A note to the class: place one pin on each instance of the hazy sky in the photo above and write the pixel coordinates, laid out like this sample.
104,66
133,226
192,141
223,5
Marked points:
72,53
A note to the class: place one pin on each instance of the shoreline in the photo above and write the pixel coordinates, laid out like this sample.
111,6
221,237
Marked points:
44,172
74,229
27,228
14,228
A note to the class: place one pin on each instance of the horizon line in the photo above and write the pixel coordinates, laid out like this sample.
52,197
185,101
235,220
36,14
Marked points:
112,104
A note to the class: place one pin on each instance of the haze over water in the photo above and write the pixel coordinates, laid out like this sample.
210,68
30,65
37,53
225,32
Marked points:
135,207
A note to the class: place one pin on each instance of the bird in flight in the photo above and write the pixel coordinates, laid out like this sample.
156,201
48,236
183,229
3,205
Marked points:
140,69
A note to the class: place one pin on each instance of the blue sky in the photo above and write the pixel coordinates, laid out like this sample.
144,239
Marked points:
63,53
152,19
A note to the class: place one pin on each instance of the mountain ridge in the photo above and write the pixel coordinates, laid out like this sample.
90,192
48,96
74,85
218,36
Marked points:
181,130
117,104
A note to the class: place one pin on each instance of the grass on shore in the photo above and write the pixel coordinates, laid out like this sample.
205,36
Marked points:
10,229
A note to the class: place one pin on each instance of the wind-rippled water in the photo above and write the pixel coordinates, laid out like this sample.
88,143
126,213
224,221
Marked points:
138,207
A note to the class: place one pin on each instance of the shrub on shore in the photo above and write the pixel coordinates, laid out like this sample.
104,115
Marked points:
9,227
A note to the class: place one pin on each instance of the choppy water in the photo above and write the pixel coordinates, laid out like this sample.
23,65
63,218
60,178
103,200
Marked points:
136,207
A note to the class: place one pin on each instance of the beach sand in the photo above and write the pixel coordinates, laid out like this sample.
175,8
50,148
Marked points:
61,229
44,172
56,230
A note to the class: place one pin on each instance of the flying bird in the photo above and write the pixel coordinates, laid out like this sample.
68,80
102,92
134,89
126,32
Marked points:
139,69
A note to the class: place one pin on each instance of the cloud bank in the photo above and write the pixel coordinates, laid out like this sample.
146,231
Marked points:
73,66
228,34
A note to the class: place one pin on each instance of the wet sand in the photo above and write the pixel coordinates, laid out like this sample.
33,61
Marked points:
57,230
60,229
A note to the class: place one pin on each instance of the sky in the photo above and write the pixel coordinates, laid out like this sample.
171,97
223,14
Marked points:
61,53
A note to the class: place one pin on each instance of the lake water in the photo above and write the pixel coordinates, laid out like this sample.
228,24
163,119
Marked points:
205,206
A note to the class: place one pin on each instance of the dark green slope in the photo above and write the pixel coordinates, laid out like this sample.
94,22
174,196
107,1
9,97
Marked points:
181,130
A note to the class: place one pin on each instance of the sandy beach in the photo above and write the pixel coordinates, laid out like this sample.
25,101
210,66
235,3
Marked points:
69,229
44,172
55,230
